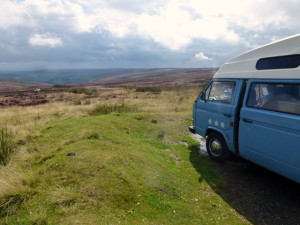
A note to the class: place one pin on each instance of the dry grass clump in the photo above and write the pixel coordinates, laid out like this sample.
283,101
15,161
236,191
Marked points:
166,101
102,109
16,188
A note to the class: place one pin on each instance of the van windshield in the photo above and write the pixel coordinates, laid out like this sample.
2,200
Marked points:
221,91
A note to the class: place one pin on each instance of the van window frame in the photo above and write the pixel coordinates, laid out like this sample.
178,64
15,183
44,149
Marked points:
278,62
209,86
269,82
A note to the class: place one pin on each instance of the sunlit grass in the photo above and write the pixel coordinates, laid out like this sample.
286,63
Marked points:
126,166
26,121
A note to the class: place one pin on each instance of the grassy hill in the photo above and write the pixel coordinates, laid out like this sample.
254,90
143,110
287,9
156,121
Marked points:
125,160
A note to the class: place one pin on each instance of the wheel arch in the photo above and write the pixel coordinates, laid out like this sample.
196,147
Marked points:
210,130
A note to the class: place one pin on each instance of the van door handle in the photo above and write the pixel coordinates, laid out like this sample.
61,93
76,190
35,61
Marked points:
227,114
247,121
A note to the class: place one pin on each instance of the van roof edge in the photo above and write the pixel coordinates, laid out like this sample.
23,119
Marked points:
244,65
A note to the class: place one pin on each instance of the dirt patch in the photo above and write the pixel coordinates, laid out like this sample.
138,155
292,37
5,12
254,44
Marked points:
177,158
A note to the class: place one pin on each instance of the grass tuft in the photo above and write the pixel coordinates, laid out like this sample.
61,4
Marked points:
103,109
64,196
16,188
39,217
6,146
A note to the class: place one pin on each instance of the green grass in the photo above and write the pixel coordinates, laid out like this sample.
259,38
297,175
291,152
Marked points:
124,169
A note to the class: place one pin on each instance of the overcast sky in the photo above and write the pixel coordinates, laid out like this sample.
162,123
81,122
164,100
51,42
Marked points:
44,34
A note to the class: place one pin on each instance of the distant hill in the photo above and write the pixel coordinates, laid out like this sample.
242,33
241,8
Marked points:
85,76
182,77
13,86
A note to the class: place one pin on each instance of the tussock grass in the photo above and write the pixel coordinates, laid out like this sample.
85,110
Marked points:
16,188
6,146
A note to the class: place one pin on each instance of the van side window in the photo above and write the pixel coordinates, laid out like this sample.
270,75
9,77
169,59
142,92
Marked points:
221,91
278,62
279,97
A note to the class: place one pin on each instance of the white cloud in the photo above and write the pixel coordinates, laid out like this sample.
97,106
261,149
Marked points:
200,56
164,28
174,24
11,13
46,40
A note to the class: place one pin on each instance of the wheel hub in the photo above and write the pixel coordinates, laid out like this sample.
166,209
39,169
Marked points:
216,147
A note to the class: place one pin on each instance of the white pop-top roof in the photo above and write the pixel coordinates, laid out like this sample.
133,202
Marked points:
244,66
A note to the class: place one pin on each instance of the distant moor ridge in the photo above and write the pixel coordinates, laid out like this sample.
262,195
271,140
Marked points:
88,76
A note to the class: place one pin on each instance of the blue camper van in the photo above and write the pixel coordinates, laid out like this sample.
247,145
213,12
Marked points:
251,108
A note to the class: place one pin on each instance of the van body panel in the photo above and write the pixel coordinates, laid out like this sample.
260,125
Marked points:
213,115
270,139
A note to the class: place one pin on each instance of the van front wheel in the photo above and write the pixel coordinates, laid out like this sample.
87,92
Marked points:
216,147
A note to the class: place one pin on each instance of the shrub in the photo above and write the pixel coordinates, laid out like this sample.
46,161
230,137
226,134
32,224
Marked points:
83,91
6,146
76,102
148,89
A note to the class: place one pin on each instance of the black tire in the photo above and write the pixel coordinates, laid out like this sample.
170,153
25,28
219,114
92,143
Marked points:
216,147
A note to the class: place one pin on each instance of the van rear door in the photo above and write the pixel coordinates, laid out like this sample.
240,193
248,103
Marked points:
269,128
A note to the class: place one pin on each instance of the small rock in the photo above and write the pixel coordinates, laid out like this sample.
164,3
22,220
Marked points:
184,143
153,121
71,154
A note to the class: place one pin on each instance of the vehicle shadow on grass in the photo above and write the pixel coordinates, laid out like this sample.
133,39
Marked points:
259,195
